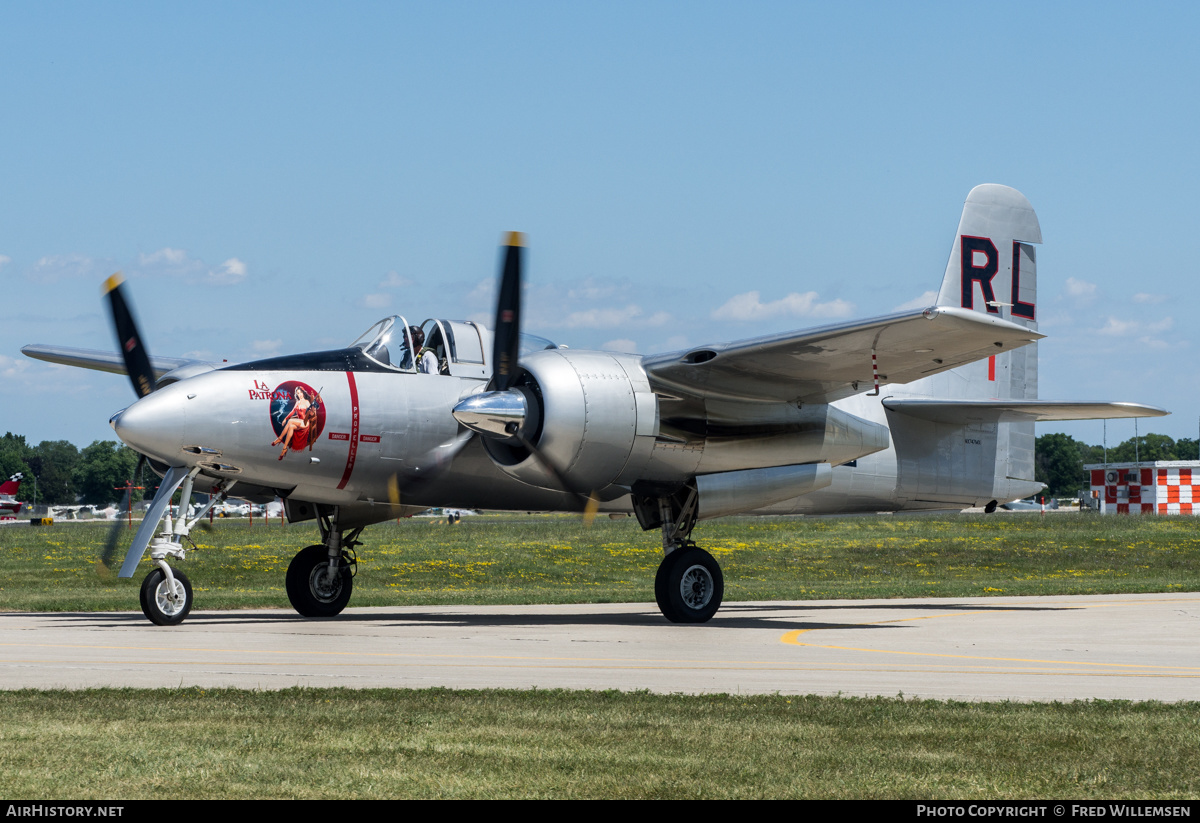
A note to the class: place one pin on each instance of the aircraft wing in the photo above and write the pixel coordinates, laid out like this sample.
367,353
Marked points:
995,411
831,362
108,361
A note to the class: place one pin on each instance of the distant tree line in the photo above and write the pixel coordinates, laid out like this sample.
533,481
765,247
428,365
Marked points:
1059,459
67,475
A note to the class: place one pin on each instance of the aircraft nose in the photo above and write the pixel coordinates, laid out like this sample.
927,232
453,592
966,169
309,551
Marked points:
153,425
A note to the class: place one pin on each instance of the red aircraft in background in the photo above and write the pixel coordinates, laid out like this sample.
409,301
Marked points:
10,507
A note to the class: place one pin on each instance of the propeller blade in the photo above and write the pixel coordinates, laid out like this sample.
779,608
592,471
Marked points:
591,503
129,339
171,481
118,526
506,333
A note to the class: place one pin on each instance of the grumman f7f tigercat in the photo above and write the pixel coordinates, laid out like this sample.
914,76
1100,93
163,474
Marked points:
918,410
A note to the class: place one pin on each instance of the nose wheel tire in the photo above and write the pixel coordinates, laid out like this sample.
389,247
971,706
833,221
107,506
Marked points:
312,590
689,586
163,604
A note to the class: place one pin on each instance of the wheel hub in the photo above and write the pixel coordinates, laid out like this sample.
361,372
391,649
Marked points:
696,587
324,586
169,602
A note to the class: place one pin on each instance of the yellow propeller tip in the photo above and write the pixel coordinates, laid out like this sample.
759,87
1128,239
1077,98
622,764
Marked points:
112,282
589,511
515,238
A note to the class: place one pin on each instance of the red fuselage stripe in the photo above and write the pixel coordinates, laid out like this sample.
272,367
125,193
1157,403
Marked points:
353,430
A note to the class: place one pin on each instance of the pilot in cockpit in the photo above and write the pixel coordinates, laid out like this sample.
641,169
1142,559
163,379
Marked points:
433,357
418,340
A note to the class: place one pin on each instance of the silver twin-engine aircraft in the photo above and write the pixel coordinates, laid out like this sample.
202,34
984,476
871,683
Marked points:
917,410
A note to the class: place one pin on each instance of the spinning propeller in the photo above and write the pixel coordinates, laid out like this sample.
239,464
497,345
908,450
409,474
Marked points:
141,375
509,411
129,339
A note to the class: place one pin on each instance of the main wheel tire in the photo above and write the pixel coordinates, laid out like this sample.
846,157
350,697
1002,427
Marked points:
162,606
689,586
312,590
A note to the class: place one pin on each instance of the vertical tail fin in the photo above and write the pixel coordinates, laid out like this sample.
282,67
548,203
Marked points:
11,485
993,270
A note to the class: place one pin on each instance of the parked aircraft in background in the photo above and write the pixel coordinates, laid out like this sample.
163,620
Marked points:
918,410
10,507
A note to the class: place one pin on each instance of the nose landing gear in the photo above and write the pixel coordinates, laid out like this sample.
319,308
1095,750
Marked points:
166,596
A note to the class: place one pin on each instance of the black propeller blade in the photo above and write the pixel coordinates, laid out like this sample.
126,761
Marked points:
506,334
591,503
501,412
129,339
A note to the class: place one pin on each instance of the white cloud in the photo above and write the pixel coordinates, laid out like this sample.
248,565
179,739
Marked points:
1080,289
376,301
611,318
395,281
591,290
1145,333
164,256
926,300
1143,297
749,306
11,366
266,346
230,272
178,263
621,345
4,260
1115,328
55,267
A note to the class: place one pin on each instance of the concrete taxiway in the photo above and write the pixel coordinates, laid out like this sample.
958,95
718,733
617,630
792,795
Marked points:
1134,647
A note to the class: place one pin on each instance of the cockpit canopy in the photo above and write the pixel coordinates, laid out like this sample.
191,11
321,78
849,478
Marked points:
460,348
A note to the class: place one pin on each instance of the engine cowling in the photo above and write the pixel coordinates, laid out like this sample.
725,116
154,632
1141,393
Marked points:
592,414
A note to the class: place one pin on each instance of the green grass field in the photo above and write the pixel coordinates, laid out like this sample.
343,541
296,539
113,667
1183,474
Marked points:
555,559
126,744
319,743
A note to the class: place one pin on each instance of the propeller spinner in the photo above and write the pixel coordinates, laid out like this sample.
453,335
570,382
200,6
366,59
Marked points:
501,411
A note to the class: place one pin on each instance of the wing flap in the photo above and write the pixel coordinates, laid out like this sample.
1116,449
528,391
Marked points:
831,362
996,411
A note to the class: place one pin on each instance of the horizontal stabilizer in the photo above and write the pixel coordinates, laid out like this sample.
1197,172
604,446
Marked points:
998,411
108,361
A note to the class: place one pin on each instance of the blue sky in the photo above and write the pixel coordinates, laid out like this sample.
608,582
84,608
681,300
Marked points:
275,177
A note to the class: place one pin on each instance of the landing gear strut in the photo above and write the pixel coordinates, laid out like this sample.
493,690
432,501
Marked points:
166,593
320,578
689,585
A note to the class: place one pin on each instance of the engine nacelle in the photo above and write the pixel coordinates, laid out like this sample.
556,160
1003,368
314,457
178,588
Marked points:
736,492
592,414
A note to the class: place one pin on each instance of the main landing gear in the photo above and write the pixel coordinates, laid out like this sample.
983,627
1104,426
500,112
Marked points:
320,578
689,585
